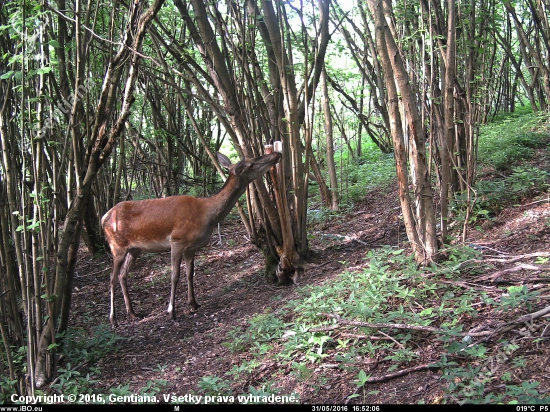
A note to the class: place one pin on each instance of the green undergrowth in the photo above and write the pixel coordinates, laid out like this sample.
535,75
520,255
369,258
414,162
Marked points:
356,177
315,330
326,325
492,196
507,177
374,170
79,375
512,140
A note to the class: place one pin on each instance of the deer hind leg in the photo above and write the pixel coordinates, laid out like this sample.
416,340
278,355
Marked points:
118,260
177,255
190,268
130,258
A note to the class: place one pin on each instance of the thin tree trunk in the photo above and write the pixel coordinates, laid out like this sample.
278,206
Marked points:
330,143
447,146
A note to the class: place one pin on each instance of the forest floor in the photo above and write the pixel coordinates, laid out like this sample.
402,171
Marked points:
230,286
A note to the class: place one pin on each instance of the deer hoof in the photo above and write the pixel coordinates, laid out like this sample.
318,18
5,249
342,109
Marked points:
171,314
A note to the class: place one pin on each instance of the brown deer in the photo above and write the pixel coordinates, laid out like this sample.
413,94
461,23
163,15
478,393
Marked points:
181,224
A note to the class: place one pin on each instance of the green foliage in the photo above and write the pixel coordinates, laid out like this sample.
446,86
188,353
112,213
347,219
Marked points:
7,385
237,340
265,328
7,388
19,358
374,170
79,346
213,385
264,391
245,368
220,390
302,371
472,385
121,390
360,381
516,296
494,195
504,146
511,140
122,393
392,289
80,349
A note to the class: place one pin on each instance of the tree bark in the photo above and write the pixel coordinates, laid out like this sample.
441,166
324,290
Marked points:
447,145
420,225
334,196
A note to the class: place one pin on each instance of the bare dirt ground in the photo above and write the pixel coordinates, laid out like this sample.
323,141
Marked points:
231,289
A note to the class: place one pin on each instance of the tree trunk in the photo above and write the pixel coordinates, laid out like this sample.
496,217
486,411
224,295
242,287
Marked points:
102,143
334,198
420,225
447,146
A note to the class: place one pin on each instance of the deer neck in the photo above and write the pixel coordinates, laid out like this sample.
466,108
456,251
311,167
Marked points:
221,203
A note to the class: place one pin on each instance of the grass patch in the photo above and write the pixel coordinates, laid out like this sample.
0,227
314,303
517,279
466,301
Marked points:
511,140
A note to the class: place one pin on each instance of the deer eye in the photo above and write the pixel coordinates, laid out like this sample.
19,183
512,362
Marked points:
240,167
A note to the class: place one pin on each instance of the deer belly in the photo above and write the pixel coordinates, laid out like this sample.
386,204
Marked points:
152,245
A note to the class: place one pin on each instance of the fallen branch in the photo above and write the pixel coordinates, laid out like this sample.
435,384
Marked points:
348,238
483,248
392,339
488,334
389,376
522,266
402,372
466,285
512,259
317,266
530,317
533,203
324,328
381,325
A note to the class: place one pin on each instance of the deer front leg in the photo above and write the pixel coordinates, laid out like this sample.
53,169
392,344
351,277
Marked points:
190,267
177,255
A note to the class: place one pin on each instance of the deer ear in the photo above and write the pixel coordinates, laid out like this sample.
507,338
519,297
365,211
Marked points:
224,160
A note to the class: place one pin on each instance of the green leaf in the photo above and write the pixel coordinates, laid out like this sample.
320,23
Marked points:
44,70
7,75
362,378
